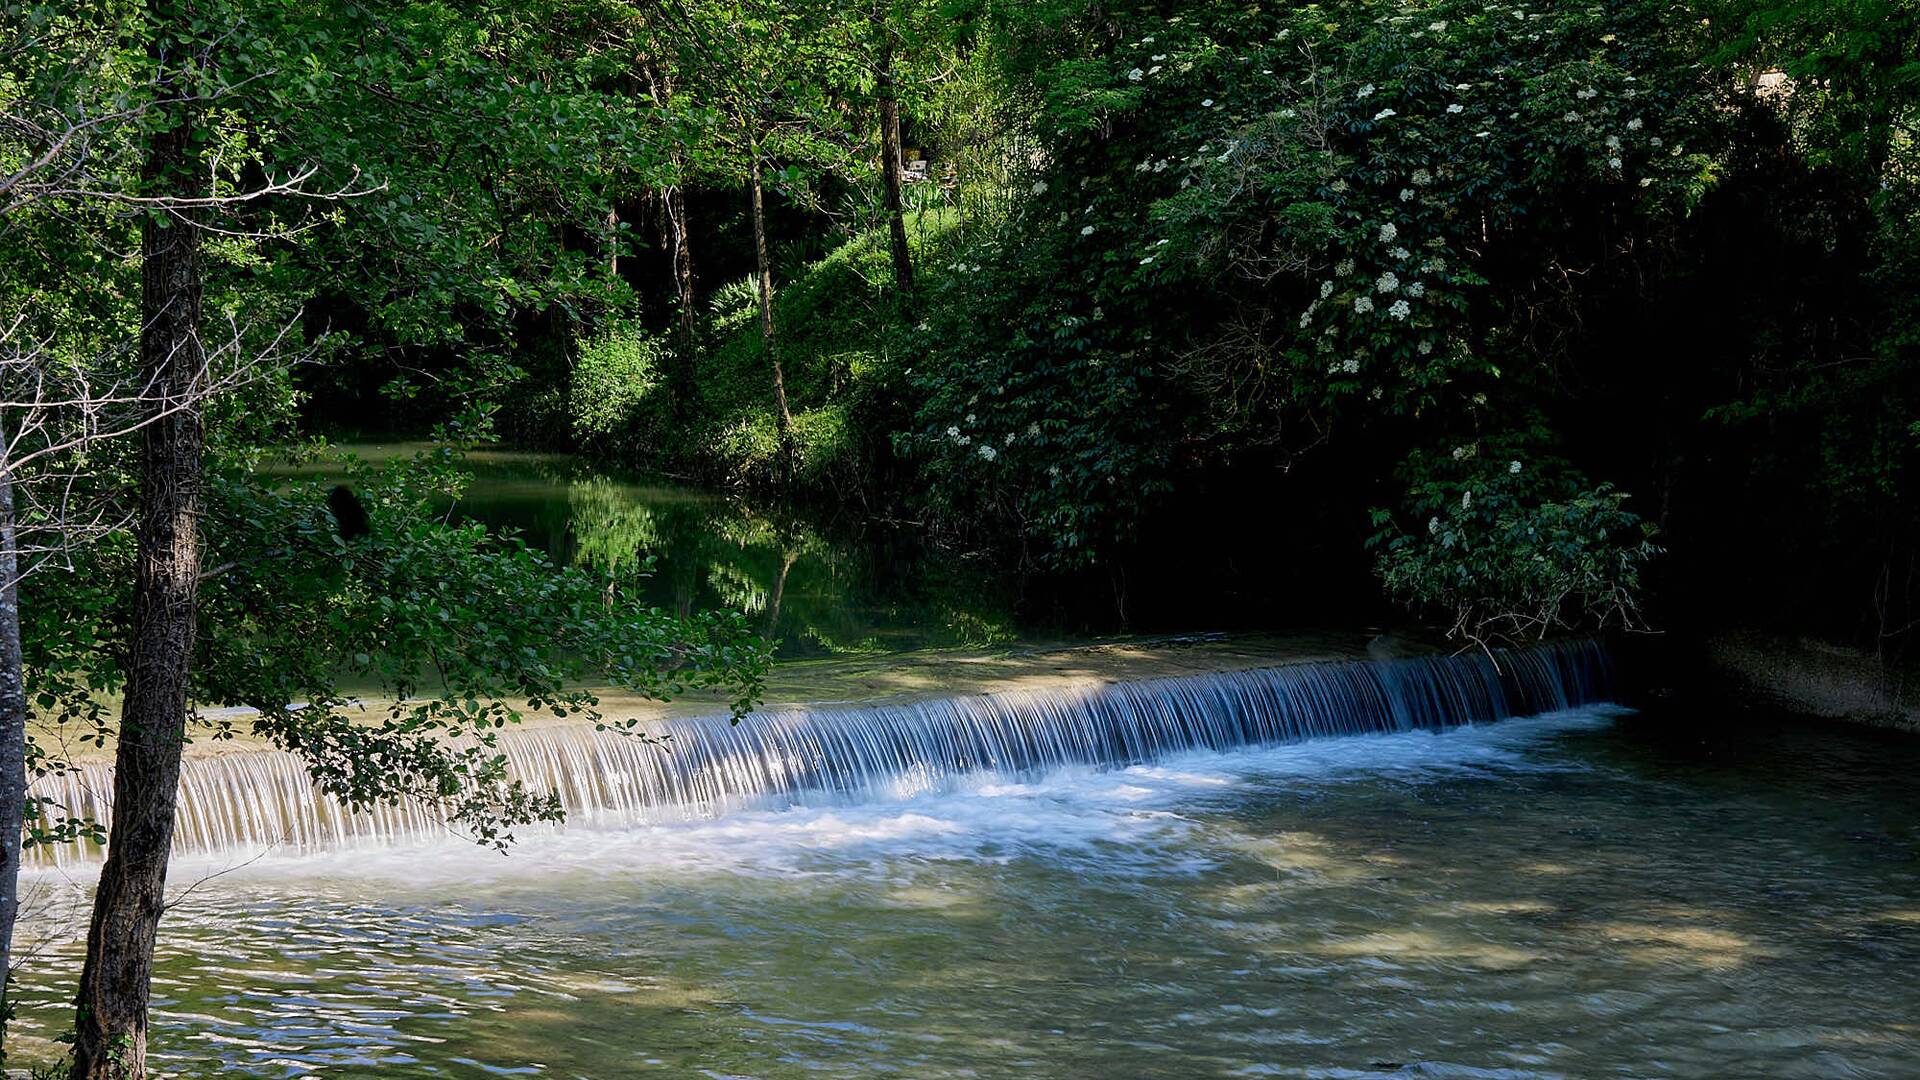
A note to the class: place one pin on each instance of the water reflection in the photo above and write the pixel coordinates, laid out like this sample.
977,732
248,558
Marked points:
816,589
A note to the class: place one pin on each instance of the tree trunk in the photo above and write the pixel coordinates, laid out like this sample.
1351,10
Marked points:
679,248
110,1024
673,227
674,205
890,167
13,742
763,281
613,242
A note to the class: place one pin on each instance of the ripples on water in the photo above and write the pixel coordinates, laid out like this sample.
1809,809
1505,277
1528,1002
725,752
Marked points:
1570,896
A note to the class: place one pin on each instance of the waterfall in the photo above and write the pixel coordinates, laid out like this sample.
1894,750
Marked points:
245,802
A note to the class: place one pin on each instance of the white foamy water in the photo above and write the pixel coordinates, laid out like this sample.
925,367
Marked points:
1134,816
240,806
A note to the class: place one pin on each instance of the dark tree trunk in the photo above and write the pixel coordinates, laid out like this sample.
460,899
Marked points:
763,280
673,226
680,248
677,243
13,741
613,242
890,167
110,1025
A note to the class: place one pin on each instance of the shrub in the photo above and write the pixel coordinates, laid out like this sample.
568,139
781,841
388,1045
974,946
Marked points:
1509,545
617,402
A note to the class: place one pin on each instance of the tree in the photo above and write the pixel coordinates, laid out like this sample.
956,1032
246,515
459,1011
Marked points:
741,62
159,634
69,128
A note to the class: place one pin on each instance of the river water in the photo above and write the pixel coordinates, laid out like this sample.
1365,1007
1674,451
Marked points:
1681,892
1670,893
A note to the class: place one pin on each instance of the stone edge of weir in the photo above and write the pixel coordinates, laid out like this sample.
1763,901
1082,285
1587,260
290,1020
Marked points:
921,675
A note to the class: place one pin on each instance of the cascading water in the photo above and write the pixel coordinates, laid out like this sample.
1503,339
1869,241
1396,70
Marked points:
243,803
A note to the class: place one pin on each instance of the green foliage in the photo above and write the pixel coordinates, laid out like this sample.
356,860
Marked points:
617,400
391,663
1259,231
1507,545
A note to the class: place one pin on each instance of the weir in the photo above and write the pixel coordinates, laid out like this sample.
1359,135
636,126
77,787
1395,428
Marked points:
247,802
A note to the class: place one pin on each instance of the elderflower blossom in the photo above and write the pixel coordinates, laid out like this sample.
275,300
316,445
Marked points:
1465,451
1456,108
1389,232
1387,282
1586,94
1421,178
1406,194
1466,500
1425,346
1136,75
1383,114
1513,468
1086,230
1433,525
1439,27
953,431
1343,268
1635,124
1417,290
1401,253
1326,289
1351,365
1365,91
1614,163
1400,309
1363,303
988,453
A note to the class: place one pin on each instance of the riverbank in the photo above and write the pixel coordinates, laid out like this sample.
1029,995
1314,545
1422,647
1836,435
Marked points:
1815,678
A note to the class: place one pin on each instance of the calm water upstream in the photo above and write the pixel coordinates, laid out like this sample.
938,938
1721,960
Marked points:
1586,894
815,591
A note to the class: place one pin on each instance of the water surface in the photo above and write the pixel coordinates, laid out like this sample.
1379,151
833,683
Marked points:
1676,893
814,588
